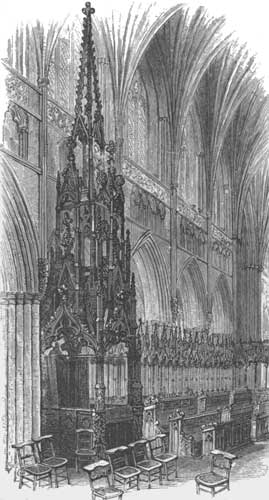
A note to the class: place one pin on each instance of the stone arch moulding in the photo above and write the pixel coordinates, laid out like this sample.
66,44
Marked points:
222,308
151,267
19,246
191,294
19,318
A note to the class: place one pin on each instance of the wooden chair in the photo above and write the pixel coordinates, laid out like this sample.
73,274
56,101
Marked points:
148,466
46,452
98,471
218,478
169,461
84,446
29,468
120,469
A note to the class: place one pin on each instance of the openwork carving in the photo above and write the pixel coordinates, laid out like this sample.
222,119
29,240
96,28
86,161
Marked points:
192,237
187,211
15,130
221,237
90,302
59,118
22,93
167,344
133,173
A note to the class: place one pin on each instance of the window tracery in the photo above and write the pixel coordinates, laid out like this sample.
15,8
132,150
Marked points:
137,124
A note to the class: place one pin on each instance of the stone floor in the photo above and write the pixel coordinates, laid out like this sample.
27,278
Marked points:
249,479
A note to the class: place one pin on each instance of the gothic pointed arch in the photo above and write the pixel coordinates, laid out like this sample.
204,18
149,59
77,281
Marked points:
19,247
222,310
192,294
152,277
20,334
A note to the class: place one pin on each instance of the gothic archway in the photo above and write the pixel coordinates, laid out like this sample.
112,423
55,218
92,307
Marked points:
192,295
151,279
19,248
222,312
19,315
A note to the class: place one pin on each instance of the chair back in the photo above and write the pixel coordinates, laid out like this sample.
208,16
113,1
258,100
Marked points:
25,453
157,445
222,461
139,450
98,471
45,447
117,457
84,439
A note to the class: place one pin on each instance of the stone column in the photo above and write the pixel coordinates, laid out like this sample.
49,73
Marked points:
11,375
36,379
27,385
175,159
43,83
209,271
201,194
19,380
3,382
162,149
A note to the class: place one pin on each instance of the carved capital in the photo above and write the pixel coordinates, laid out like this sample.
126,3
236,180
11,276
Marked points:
43,82
28,297
11,298
36,298
19,298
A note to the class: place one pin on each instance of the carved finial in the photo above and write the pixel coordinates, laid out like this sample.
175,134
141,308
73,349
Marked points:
88,9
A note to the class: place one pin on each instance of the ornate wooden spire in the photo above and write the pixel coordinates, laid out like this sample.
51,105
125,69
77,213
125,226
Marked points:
90,301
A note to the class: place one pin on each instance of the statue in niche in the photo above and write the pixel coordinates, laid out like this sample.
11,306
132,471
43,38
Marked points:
68,235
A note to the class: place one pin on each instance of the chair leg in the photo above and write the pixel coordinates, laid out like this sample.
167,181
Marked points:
56,478
197,489
21,481
149,480
67,475
177,467
15,466
137,483
160,476
166,470
76,464
50,478
34,484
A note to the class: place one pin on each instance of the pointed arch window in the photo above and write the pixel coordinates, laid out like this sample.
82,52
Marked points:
137,124
222,200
